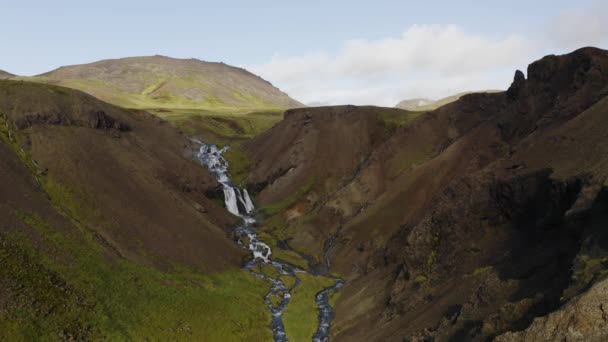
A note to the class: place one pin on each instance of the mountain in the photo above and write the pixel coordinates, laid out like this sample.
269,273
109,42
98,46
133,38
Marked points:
5,75
107,221
421,104
461,223
214,101
159,82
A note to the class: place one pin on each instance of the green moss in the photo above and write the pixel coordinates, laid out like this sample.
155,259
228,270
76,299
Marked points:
68,200
9,136
301,315
117,299
274,208
406,160
420,279
121,300
276,299
221,127
239,164
267,270
288,256
488,329
483,271
432,258
288,280
393,118
586,269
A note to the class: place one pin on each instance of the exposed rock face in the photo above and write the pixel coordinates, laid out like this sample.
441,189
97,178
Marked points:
51,105
468,221
97,119
584,318
519,81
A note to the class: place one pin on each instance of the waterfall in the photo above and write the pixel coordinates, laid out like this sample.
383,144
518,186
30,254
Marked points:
211,156
248,203
230,199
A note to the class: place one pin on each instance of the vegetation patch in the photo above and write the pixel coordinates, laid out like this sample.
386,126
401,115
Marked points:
586,270
289,256
239,164
91,297
221,127
394,118
301,317
275,208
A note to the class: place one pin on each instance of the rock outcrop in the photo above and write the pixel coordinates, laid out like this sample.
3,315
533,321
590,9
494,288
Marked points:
584,318
463,223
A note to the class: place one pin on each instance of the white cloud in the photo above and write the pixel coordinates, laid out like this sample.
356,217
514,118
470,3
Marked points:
426,60
580,27
430,61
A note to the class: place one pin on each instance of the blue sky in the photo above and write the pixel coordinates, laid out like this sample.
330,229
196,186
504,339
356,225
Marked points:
326,52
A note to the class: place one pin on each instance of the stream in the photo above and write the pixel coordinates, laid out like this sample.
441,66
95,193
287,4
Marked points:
239,203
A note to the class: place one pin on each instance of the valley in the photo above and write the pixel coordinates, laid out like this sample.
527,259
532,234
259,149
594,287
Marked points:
152,198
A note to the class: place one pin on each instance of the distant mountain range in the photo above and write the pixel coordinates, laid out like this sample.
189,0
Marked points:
159,82
424,104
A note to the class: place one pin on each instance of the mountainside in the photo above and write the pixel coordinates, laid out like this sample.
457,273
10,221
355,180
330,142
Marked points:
159,82
214,101
458,224
5,75
421,104
110,231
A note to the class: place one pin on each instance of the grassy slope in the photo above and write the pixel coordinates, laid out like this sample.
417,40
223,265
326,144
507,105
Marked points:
59,282
87,297
214,101
301,316
221,127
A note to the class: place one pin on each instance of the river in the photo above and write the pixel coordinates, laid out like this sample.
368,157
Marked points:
239,203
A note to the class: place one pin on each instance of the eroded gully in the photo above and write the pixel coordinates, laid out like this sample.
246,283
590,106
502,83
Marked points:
239,203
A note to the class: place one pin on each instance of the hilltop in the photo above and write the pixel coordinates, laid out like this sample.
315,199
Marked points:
214,101
159,82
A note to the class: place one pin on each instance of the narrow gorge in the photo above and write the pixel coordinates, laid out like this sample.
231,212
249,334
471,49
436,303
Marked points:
239,203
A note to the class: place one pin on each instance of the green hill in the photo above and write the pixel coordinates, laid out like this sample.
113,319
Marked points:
212,100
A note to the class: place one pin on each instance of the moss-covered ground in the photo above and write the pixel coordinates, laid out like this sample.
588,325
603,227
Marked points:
301,317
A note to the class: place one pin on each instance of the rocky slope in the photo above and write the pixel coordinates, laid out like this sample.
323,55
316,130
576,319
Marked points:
170,83
458,224
582,319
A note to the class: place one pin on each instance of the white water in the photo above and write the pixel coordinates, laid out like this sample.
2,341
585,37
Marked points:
212,157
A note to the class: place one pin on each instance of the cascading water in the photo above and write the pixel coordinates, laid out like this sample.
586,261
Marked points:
212,157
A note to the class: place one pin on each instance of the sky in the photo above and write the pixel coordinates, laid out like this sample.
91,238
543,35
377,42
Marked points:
319,52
